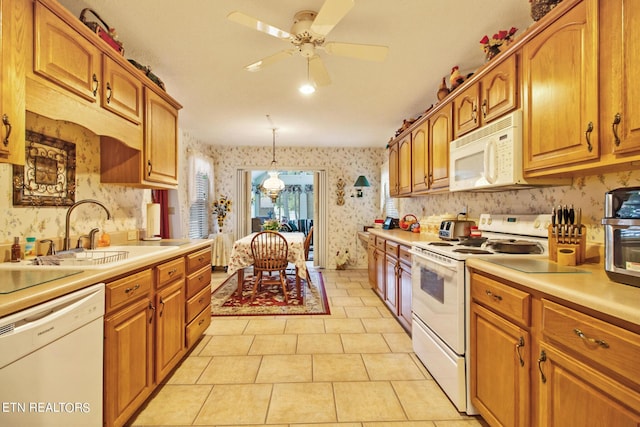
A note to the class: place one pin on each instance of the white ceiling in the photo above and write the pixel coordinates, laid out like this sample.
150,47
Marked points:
200,56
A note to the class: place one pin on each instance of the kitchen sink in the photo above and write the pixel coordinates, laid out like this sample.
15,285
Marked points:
95,259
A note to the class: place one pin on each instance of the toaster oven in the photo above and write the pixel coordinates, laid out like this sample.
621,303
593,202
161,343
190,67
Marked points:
622,235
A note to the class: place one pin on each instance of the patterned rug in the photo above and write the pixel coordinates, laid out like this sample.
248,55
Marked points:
269,301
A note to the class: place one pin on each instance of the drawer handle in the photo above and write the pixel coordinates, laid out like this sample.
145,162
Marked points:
601,343
200,258
132,289
172,272
200,277
492,295
201,322
200,300
518,347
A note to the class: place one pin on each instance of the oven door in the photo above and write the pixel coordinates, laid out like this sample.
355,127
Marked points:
438,296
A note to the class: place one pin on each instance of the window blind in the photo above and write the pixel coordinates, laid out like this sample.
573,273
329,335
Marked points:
199,209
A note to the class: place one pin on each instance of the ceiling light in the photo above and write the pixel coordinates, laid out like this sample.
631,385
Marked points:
273,185
307,87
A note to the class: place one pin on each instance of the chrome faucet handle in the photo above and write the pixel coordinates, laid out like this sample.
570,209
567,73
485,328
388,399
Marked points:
52,246
92,238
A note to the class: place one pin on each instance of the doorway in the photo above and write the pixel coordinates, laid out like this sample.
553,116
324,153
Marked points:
297,208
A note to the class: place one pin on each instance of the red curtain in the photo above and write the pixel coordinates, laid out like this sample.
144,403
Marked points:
162,197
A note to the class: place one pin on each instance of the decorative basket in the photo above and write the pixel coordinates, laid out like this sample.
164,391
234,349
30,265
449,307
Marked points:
407,220
107,33
539,8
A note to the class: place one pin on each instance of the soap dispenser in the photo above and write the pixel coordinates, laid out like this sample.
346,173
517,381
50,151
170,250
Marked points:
15,250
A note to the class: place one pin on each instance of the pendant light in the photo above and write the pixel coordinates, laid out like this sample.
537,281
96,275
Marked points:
273,185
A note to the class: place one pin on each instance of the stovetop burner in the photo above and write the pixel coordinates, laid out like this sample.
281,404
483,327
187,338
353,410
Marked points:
473,251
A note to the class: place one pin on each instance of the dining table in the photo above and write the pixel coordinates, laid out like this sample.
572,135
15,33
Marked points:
241,257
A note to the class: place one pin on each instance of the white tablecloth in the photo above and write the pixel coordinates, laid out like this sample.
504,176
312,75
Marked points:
242,257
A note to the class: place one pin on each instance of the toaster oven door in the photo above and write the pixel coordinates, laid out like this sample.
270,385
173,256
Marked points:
622,253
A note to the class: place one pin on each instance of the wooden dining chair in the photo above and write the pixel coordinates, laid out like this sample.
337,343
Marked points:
270,251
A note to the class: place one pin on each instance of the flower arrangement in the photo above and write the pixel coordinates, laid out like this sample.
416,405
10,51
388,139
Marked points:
491,46
221,207
271,224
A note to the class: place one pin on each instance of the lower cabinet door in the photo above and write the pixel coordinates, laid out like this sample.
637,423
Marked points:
170,315
128,361
500,380
572,393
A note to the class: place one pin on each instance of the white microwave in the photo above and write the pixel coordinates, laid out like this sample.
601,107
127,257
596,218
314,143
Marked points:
490,158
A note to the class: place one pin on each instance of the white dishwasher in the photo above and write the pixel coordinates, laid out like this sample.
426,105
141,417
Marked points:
51,359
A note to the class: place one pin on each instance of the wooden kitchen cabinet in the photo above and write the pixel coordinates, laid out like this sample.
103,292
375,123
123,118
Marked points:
404,288
198,294
500,362
160,139
128,360
394,162
440,135
560,92
122,93
619,61
391,264
491,97
12,82
371,260
542,363
392,267
420,158
170,328
381,272
584,371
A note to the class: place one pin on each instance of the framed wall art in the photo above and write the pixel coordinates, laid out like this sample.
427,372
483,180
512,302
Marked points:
48,177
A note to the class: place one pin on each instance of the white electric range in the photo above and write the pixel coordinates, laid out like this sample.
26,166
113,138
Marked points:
441,300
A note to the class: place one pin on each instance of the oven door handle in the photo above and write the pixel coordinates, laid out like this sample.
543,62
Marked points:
420,259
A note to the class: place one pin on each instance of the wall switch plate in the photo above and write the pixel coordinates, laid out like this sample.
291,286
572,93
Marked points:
132,235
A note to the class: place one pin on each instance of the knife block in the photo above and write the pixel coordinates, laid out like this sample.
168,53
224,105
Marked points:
578,244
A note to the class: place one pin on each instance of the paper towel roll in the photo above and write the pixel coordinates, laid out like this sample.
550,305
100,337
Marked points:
153,220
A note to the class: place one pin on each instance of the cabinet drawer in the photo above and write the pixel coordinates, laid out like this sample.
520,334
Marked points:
198,280
380,242
610,346
197,260
128,289
196,304
392,248
170,271
505,300
196,328
405,256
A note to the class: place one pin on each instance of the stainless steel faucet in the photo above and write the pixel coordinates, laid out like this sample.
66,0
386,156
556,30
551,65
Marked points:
67,239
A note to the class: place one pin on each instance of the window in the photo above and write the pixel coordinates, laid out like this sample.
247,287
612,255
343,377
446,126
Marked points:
199,209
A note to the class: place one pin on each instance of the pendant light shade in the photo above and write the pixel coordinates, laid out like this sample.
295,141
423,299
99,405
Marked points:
273,185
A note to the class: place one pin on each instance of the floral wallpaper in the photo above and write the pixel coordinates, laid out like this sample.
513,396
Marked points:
127,205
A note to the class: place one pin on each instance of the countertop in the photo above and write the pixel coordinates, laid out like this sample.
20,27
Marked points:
590,288
19,300
401,236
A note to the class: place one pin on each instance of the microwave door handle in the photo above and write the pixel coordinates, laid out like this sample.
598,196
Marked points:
490,172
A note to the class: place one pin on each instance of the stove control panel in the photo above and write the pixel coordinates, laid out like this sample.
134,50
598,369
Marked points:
524,224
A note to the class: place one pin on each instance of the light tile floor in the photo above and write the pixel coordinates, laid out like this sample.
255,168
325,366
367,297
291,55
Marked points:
353,368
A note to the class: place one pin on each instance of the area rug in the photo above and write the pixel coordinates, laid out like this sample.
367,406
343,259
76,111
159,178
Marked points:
269,301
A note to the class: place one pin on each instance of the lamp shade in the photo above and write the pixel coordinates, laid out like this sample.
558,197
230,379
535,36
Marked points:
361,182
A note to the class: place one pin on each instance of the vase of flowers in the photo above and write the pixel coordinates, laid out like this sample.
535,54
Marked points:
221,208
491,46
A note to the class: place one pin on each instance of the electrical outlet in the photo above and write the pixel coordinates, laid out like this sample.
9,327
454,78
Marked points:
463,211
132,235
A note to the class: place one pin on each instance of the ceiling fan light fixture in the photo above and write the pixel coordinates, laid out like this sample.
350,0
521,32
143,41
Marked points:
307,88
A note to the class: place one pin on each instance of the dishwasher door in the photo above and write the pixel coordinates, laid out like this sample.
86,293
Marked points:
51,359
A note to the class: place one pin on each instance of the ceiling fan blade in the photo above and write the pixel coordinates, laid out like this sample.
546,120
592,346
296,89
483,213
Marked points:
367,52
264,62
251,22
331,12
318,71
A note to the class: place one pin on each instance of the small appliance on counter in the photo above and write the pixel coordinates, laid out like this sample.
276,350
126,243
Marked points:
454,229
567,236
622,235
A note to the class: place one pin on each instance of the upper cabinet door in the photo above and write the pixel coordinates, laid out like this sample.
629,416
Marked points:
122,92
64,57
440,135
404,165
161,140
394,187
560,90
420,158
498,88
465,108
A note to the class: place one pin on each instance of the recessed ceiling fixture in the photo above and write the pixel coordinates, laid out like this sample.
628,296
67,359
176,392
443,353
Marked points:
273,185
307,36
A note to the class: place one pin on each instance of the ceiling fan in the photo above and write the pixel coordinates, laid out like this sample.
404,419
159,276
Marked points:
307,36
